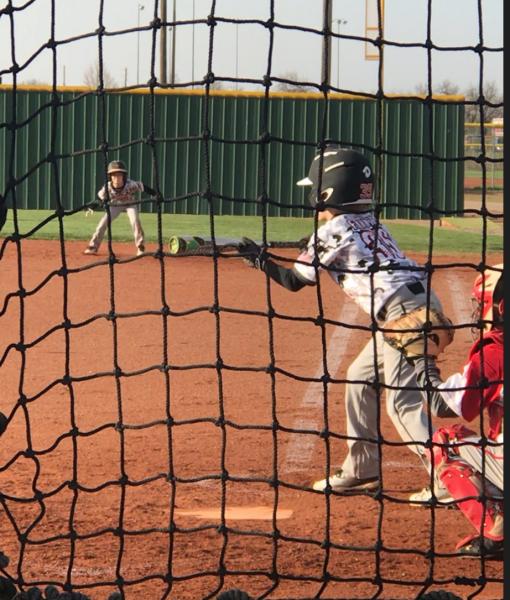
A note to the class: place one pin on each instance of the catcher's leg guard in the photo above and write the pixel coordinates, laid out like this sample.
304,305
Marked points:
466,486
465,483
443,447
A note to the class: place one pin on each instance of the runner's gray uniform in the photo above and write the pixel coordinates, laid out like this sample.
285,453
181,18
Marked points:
123,200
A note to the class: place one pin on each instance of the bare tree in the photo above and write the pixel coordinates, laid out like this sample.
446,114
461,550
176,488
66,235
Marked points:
91,77
34,82
445,87
421,89
292,83
492,103
218,85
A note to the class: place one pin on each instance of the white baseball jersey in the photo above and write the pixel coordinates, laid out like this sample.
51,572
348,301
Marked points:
346,247
126,195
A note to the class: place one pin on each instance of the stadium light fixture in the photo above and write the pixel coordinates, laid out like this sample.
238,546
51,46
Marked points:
339,22
140,8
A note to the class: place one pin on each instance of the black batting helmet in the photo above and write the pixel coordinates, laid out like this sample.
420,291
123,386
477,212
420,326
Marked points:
347,178
116,166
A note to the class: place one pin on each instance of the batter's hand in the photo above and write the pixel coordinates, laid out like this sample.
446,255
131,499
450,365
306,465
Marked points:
303,243
252,253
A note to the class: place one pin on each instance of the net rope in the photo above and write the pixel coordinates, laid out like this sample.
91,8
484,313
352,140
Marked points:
19,537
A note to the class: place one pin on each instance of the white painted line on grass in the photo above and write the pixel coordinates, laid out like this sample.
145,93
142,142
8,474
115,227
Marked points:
300,448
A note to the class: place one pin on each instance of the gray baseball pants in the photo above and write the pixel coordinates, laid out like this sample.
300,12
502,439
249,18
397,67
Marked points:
404,406
115,211
493,458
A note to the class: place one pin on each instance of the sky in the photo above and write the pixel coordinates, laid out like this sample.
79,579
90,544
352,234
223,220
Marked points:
244,50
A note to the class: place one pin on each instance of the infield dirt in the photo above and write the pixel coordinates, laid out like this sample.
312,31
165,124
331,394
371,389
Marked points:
225,427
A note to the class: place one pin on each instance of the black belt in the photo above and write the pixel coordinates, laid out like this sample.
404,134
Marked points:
416,288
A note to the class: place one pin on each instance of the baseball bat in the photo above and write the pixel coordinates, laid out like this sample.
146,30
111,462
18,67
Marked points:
194,244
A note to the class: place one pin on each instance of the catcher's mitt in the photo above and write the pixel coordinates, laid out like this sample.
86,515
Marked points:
409,332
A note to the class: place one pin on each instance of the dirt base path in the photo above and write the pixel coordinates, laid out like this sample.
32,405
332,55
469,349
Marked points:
157,451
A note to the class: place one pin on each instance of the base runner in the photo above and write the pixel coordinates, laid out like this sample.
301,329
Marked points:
121,193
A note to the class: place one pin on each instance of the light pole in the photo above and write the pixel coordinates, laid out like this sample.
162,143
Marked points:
237,56
338,23
174,35
140,7
162,44
326,43
193,49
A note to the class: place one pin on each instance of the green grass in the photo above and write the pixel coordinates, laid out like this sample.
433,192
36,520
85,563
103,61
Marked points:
454,236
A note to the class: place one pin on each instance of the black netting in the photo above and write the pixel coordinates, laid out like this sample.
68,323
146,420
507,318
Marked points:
144,435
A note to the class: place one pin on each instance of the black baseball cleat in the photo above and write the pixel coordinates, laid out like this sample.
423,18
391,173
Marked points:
482,546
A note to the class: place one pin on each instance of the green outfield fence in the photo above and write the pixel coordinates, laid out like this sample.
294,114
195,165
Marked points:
421,154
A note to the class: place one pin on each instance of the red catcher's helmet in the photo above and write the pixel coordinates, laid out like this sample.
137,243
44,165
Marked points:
487,297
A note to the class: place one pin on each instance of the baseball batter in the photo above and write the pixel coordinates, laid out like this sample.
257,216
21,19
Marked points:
468,469
362,257
121,192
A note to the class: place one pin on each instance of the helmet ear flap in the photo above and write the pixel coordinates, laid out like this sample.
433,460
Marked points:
326,194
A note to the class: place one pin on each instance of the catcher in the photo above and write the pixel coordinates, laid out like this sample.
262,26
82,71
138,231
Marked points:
120,191
471,467
362,257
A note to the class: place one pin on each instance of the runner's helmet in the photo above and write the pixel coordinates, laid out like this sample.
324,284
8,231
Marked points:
117,166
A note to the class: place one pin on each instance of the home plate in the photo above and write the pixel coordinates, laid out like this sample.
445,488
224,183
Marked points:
236,513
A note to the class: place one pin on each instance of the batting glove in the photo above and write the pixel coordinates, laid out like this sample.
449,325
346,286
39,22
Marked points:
252,253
